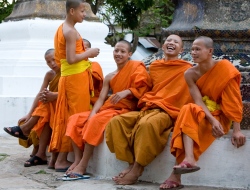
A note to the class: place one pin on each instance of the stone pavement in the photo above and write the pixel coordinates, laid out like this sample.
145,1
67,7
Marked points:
14,175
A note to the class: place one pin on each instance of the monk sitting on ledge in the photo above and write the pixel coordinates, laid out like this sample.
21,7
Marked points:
215,88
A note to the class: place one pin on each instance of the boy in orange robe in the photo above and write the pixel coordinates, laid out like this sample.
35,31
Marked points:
215,88
75,85
128,83
138,137
39,116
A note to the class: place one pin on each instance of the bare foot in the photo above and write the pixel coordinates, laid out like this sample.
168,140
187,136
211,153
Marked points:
172,182
72,166
62,165
124,172
34,151
128,179
77,170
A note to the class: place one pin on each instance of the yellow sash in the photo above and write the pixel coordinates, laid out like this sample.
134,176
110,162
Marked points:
76,68
211,105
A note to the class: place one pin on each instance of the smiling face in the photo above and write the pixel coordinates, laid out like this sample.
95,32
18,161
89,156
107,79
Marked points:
49,57
78,13
200,51
121,53
172,46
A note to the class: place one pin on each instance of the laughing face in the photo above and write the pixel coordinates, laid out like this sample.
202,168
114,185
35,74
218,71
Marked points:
172,46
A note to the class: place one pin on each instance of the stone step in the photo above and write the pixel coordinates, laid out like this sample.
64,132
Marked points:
17,86
222,165
24,70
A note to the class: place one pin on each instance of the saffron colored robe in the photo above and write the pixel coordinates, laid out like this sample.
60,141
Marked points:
132,76
73,95
221,84
141,136
46,114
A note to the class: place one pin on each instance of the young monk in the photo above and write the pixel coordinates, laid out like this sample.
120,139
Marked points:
138,137
75,85
128,83
40,116
214,86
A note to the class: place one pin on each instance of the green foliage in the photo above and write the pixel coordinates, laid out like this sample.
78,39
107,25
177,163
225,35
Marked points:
41,172
5,9
130,11
3,156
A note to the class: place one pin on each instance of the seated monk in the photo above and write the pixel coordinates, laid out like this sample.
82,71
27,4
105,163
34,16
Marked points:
215,88
138,137
39,116
128,83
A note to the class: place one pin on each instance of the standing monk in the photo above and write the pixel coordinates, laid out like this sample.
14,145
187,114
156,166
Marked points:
138,137
214,86
75,85
128,83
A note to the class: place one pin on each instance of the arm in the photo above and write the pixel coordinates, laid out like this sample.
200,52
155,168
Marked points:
102,97
46,80
120,95
190,75
237,139
231,106
71,56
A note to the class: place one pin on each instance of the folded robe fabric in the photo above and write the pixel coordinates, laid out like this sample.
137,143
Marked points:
97,77
221,84
170,91
132,76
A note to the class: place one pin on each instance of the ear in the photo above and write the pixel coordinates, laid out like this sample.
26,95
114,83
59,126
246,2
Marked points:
211,51
181,50
71,11
130,54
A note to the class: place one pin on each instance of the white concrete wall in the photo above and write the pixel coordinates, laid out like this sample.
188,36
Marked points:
22,65
222,165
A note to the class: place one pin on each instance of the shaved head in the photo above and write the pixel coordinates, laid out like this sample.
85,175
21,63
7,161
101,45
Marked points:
49,51
73,4
127,43
208,42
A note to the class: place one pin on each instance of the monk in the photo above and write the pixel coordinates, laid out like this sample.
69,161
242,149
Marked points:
39,116
138,137
215,88
75,85
128,83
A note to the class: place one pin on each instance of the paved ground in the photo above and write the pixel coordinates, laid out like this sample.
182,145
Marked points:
14,175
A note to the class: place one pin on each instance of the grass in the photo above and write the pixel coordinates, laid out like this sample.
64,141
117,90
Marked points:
3,156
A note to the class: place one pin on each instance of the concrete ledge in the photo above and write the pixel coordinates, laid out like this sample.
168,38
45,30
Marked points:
222,165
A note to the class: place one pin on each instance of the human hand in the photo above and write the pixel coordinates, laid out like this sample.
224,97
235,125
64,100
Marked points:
42,95
93,52
24,119
50,96
217,129
115,98
238,139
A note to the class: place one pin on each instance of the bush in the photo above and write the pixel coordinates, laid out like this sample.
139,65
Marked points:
5,9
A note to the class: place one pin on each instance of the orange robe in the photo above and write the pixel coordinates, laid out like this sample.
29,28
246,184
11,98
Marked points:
170,91
73,95
221,84
141,136
46,114
97,76
132,76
